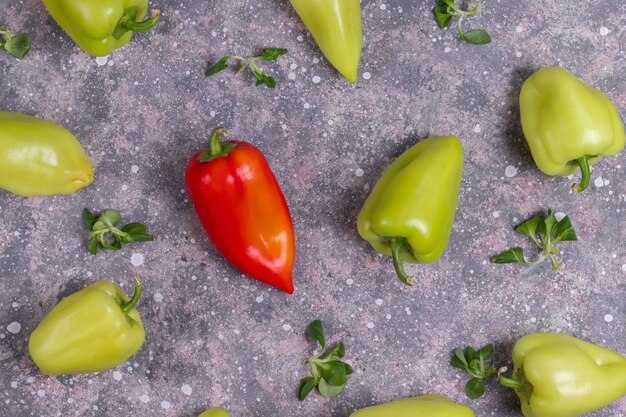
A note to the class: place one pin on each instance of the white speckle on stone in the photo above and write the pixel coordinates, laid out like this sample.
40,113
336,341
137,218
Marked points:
117,375
102,60
286,327
316,60
158,297
14,384
608,318
367,75
259,299
300,38
559,216
293,66
359,172
379,302
370,325
136,259
518,54
316,79
598,182
510,171
383,7
292,76
15,305
70,401
624,267
349,281
144,399
447,50
212,113
519,29
124,187
41,393
134,169
604,31
408,311
307,106
331,122
186,389
14,327
496,214
165,405
477,128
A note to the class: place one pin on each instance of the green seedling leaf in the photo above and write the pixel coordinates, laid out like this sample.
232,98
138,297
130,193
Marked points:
458,360
99,226
219,66
470,354
110,217
564,231
135,229
510,256
334,373
476,37
92,245
486,352
442,16
271,54
89,218
475,388
338,351
136,238
18,45
327,390
316,331
549,223
530,227
306,386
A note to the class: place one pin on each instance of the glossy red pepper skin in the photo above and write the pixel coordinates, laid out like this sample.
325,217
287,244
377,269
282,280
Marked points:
243,210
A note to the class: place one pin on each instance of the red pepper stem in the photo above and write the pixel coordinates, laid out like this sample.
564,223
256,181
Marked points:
585,171
127,307
132,25
215,148
398,245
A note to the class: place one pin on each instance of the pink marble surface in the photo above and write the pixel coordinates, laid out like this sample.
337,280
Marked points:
215,337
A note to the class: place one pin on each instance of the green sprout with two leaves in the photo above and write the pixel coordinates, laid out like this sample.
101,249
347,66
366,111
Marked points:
269,54
17,45
105,231
446,9
477,363
545,233
328,373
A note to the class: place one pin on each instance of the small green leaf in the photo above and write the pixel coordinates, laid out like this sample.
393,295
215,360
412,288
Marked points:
486,352
443,18
530,227
306,385
316,331
89,218
347,367
18,45
99,226
135,229
475,388
470,353
458,359
564,231
549,223
92,245
271,54
334,373
116,245
510,256
338,351
476,37
218,66
136,238
110,217
327,390
262,78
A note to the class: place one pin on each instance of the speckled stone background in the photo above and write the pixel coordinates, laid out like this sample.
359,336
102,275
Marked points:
215,337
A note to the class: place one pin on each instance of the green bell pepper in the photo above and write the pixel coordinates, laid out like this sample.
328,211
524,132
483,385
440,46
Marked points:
99,27
38,157
92,330
215,412
568,124
336,27
558,375
424,406
410,211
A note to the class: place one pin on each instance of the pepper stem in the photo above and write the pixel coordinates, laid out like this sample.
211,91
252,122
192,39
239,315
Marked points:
132,25
127,307
215,148
397,247
585,171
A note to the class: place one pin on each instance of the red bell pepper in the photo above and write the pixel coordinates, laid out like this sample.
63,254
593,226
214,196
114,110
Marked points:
243,210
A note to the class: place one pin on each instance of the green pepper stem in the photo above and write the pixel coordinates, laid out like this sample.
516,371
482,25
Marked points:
585,171
127,307
510,382
132,25
397,246
215,148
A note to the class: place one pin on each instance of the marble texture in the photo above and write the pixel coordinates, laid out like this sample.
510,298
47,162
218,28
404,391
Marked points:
215,337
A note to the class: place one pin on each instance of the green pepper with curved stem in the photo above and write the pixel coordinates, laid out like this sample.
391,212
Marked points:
336,27
568,124
215,412
91,330
558,375
410,211
424,406
100,27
